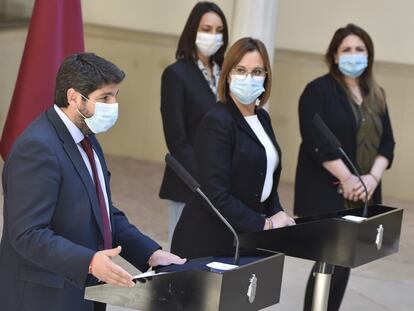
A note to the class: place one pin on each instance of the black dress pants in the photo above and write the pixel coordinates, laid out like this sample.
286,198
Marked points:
339,281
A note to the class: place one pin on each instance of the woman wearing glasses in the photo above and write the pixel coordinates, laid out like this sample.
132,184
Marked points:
238,159
188,91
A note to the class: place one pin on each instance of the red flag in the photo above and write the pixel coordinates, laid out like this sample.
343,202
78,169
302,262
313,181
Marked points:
55,31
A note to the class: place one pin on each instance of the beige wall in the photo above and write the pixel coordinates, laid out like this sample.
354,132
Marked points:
293,70
144,53
160,16
11,50
144,56
302,25
308,25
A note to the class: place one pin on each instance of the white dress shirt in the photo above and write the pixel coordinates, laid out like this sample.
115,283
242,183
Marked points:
271,154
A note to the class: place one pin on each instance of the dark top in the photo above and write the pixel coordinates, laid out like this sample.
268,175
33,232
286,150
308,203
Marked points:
369,132
232,166
185,98
315,188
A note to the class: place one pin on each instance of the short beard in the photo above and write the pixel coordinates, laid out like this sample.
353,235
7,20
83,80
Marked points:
81,124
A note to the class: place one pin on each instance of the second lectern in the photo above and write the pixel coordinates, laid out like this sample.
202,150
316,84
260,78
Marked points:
343,239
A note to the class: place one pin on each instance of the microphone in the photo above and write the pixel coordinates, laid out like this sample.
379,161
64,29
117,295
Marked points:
327,133
195,187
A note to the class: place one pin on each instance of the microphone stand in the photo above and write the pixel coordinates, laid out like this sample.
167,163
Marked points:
354,169
236,237
323,271
327,133
195,187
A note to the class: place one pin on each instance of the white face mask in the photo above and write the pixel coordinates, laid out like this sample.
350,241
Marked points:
208,44
103,119
246,89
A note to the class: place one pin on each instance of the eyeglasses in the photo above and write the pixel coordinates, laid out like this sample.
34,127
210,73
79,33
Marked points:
242,71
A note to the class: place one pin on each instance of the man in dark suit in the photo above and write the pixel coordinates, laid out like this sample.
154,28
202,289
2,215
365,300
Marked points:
60,226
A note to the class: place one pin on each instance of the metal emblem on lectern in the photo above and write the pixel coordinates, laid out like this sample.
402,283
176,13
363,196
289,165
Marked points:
380,234
251,291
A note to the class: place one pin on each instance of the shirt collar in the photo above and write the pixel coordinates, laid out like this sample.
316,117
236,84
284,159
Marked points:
74,131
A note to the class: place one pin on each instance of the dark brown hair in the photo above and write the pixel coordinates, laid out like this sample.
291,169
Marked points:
374,97
233,57
85,72
186,45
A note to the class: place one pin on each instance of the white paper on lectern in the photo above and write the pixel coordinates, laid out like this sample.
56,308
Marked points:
221,266
147,274
354,218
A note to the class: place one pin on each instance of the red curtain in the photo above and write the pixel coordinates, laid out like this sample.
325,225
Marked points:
55,32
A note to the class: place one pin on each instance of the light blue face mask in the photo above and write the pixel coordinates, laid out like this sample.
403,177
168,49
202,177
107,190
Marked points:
246,89
352,65
104,118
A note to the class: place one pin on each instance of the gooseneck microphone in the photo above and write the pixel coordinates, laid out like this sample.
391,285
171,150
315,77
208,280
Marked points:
327,133
195,187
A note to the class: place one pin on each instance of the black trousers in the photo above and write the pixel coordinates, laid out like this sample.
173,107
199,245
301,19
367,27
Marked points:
98,306
339,281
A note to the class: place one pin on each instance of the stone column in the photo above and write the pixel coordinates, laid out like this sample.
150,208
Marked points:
255,18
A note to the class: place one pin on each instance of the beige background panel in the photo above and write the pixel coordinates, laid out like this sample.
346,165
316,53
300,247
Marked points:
143,56
161,16
139,132
301,25
304,25
11,49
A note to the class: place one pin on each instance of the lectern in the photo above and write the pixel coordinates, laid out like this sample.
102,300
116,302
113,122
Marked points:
332,240
253,285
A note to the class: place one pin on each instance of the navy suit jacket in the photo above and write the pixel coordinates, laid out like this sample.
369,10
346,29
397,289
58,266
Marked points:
185,99
232,167
52,223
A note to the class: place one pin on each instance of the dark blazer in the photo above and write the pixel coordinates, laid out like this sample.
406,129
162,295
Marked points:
52,223
315,191
185,99
232,167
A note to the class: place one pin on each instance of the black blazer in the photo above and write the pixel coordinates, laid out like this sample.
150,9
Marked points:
315,192
185,98
232,166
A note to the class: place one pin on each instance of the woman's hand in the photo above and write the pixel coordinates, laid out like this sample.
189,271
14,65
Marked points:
371,183
281,219
352,188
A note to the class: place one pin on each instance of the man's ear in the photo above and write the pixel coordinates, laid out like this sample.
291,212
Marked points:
73,97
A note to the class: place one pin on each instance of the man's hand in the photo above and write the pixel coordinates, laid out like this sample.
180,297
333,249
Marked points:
163,258
105,270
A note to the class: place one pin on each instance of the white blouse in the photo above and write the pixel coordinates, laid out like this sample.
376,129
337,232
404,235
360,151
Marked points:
271,154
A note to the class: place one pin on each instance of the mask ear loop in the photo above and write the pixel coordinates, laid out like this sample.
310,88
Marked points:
77,109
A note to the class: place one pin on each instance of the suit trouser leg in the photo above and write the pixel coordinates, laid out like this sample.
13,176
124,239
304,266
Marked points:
339,281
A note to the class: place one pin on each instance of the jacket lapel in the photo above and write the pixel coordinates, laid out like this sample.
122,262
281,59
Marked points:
196,72
74,155
346,105
268,129
239,118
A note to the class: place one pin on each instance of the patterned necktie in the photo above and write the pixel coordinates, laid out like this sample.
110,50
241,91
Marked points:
87,146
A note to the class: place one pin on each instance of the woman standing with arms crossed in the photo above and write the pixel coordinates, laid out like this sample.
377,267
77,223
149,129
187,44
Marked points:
188,91
238,159
353,106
